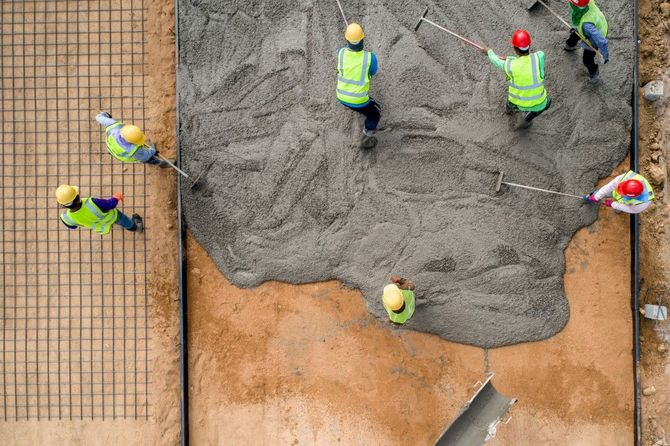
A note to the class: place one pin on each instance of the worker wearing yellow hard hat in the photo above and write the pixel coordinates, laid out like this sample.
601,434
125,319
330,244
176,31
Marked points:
98,214
399,300
355,68
127,142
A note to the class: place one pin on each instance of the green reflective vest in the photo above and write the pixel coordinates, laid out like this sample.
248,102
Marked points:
118,147
353,76
595,16
526,85
90,216
407,312
646,196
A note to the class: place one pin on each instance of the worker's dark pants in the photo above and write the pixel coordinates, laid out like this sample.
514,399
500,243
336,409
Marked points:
531,114
372,112
125,221
588,57
155,160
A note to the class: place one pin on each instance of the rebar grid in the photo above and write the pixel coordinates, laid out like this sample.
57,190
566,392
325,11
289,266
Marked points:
75,312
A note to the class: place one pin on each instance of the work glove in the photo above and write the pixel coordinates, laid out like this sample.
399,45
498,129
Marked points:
608,203
105,114
599,59
589,198
118,196
485,50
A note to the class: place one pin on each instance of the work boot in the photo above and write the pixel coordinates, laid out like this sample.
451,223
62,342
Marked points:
508,109
367,142
524,123
569,48
595,78
138,224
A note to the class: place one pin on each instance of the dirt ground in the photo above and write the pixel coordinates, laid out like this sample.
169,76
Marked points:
303,365
654,19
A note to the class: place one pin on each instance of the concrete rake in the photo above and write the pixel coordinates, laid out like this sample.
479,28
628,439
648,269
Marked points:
500,182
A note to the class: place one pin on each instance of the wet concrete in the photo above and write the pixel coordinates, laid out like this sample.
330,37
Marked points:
292,198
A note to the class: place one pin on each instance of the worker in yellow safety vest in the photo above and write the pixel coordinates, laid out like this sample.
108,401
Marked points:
127,142
589,23
630,193
399,300
355,68
525,77
98,214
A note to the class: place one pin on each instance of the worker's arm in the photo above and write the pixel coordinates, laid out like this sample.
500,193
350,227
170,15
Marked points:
606,190
596,39
630,209
374,64
495,60
145,153
105,204
104,120
540,57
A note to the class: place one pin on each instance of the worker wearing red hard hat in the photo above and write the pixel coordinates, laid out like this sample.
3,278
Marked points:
589,23
525,77
630,193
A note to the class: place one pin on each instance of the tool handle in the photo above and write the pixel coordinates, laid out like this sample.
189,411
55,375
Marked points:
476,45
541,190
342,11
581,36
172,165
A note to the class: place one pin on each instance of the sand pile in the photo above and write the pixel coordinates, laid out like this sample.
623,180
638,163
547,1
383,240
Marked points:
291,198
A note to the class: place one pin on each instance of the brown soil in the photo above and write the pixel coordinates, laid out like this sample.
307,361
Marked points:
654,19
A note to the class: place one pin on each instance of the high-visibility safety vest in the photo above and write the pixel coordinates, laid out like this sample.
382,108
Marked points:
644,197
595,16
353,76
526,85
407,312
90,216
120,149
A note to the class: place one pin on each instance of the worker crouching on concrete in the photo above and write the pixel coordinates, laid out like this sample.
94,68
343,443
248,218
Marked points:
126,142
355,68
98,214
525,76
399,300
590,22
630,193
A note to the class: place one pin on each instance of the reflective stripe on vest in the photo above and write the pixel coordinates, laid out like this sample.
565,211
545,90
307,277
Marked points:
120,149
407,312
526,86
595,16
644,197
90,216
353,76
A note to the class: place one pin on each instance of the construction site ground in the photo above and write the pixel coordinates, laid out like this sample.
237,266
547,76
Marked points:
303,365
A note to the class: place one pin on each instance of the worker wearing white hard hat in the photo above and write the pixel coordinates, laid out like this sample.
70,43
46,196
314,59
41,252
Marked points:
399,303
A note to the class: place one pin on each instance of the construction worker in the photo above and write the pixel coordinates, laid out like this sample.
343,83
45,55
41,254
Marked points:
355,67
525,76
126,142
629,192
98,214
399,300
589,23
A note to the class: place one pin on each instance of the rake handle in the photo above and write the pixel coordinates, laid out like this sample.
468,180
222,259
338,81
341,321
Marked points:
541,190
172,165
470,42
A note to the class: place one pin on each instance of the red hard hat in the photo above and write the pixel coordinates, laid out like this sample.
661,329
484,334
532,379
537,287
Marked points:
630,188
580,3
521,39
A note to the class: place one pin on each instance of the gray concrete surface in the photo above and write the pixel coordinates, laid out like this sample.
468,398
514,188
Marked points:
292,198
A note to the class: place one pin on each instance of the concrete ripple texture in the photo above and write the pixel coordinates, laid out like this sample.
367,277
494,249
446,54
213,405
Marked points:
292,198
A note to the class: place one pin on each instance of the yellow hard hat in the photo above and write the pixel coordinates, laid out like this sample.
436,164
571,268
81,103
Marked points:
65,194
393,297
354,33
132,134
